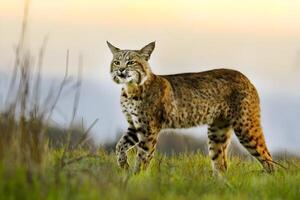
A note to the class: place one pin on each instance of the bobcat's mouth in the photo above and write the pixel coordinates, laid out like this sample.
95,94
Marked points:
123,76
128,77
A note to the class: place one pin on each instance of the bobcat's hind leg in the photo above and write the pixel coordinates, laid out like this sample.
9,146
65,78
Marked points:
219,134
251,137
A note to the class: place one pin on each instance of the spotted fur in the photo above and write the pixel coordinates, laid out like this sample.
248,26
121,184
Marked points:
223,99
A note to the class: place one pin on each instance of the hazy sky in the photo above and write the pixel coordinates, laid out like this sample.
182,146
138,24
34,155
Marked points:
261,38
251,35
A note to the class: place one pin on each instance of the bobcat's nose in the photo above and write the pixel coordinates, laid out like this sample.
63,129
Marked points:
122,72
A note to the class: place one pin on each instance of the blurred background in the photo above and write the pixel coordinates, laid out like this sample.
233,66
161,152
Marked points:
261,38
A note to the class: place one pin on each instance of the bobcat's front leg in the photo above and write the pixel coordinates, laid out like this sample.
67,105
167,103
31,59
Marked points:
146,149
127,141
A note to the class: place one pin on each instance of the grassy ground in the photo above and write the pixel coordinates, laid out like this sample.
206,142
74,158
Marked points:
184,176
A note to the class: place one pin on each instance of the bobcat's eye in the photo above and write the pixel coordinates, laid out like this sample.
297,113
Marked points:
116,62
130,62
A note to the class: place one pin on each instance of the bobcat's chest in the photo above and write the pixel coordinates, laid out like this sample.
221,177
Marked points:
131,106
133,109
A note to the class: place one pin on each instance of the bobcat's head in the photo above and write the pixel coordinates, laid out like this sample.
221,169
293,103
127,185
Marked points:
130,66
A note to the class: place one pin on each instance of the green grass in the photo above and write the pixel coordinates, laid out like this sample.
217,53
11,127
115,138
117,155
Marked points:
184,176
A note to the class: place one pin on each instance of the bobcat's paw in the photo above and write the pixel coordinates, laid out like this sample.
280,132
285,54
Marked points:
122,162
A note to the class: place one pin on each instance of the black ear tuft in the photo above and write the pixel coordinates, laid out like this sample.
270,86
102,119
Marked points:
147,50
112,48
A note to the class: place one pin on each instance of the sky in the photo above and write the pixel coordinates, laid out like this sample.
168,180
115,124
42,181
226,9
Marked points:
261,38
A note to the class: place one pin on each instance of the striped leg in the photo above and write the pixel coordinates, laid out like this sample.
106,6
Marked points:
127,141
251,137
219,136
146,149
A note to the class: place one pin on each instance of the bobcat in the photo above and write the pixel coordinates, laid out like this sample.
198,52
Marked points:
223,99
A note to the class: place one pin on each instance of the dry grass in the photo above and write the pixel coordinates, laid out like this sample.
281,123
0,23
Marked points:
26,116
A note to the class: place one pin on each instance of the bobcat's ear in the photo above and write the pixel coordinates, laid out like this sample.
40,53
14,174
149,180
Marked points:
147,50
112,48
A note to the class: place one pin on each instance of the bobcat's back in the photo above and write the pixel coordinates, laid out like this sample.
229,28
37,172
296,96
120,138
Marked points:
201,98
